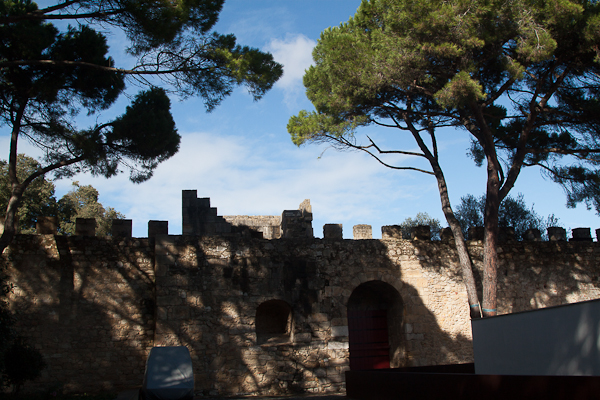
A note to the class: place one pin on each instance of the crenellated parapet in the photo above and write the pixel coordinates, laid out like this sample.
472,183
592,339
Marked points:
267,316
200,218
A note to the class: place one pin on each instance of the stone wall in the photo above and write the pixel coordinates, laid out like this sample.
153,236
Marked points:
87,304
264,316
268,225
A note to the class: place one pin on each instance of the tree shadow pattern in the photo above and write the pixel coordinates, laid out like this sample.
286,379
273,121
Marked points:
87,304
95,306
209,290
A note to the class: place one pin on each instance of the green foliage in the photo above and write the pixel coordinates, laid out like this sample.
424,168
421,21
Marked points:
316,127
38,201
421,219
460,91
470,212
48,77
145,134
42,87
513,212
22,363
82,202
521,77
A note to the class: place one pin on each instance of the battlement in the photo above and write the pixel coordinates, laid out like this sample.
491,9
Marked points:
244,306
200,219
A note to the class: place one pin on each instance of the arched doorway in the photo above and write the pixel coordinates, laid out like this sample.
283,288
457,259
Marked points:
274,322
375,313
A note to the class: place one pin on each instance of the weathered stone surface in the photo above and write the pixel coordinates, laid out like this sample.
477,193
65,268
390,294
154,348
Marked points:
95,306
391,232
532,235
362,232
421,232
446,235
121,228
85,227
46,225
156,228
337,331
581,235
556,234
332,231
475,233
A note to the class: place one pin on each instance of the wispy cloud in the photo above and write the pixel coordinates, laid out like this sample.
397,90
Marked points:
242,178
295,53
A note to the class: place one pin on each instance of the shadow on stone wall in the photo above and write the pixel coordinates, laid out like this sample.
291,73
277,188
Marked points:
209,290
91,315
95,306
531,275
547,274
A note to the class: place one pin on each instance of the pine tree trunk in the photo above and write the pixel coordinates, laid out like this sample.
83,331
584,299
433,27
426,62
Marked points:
490,252
10,220
16,188
466,266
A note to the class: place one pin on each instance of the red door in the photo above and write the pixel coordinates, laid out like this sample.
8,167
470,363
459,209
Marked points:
369,343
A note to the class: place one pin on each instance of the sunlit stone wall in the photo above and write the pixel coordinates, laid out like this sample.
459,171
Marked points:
87,304
95,306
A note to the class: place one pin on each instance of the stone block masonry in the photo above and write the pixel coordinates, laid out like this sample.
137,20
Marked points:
264,316
362,232
87,304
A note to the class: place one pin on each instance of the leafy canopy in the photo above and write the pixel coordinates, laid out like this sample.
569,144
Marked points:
48,77
513,213
82,202
424,219
39,201
39,101
522,77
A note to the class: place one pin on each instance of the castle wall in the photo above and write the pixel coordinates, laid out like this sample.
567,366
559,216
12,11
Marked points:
87,304
95,306
268,225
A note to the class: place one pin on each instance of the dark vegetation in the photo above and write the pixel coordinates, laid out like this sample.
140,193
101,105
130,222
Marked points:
523,86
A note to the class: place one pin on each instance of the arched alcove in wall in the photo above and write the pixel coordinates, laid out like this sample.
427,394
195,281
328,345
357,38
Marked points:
375,315
274,322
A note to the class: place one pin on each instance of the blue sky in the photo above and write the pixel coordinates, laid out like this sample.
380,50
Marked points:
241,155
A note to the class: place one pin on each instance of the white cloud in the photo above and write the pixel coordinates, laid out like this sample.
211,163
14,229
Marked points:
243,178
295,53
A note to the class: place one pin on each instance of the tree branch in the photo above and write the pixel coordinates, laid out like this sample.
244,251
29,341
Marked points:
52,167
345,142
535,108
67,63
504,88
408,153
43,14
57,7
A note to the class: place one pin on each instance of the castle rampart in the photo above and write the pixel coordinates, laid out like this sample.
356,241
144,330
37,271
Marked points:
265,316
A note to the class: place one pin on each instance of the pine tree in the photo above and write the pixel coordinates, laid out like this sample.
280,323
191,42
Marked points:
521,78
47,77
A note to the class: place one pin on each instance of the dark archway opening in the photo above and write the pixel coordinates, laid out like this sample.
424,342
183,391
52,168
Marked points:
274,322
375,315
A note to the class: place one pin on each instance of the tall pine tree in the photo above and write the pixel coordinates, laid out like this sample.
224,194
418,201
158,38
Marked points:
521,78
47,77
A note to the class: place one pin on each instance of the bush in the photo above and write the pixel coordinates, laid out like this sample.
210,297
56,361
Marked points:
22,363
